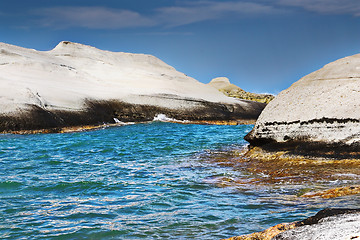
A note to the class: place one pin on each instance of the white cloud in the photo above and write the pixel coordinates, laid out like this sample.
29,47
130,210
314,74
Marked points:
208,10
351,7
181,14
91,17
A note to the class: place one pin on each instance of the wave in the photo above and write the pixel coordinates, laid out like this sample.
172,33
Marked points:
118,122
8,185
163,118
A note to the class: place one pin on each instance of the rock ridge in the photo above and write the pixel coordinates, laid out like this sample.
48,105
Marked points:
223,85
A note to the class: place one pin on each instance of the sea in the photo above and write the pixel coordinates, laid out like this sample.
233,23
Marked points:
153,180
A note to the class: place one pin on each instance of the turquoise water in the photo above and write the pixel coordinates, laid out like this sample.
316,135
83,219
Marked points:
144,181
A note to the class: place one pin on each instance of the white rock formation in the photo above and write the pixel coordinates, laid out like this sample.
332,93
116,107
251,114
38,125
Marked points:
71,75
343,226
223,83
323,106
63,77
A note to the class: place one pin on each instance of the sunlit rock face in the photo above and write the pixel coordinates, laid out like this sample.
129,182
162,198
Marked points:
75,84
223,85
322,108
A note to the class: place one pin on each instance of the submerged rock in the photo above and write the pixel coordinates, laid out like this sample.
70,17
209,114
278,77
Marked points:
267,234
319,115
334,192
223,85
75,85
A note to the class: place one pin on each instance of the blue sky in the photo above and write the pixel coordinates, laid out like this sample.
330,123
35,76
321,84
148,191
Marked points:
260,45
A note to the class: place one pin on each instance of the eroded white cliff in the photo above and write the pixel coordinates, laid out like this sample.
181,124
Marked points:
323,106
63,77
76,84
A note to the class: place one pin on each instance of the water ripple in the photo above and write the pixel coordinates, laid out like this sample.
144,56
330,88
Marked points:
150,181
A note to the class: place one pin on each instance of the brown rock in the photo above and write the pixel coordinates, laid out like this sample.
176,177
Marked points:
335,192
266,234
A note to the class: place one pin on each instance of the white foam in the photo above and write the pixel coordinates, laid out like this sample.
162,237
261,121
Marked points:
117,120
163,118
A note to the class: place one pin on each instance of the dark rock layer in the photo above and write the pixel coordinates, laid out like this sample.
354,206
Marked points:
327,212
304,144
309,149
104,112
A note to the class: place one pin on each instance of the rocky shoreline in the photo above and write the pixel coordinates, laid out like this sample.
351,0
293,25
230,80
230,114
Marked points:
82,128
297,182
311,132
100,113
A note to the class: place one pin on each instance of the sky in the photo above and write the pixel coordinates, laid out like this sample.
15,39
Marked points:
260,45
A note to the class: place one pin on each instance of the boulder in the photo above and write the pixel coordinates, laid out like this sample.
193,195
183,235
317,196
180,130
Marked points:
318,115
330,223
76,84
326,224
